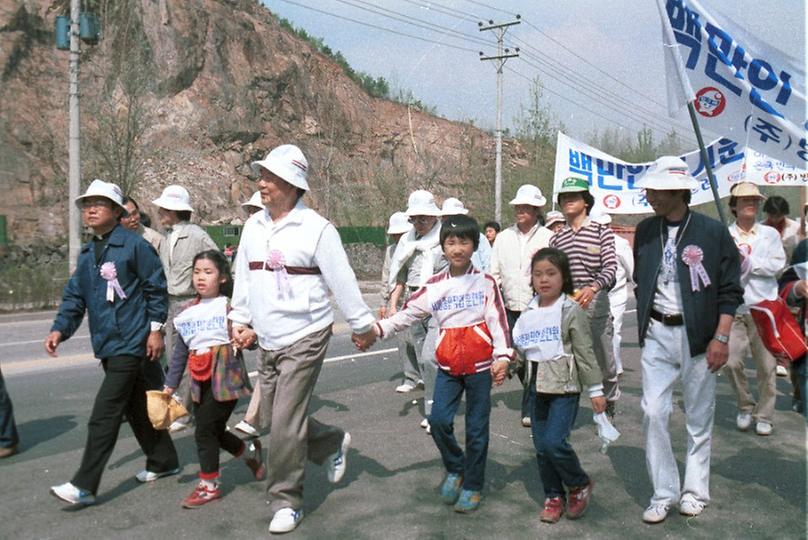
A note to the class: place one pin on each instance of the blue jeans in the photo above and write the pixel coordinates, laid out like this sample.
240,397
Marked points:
448,392
551,422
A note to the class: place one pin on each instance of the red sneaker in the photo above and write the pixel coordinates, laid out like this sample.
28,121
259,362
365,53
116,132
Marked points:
579,500
201,495
553,509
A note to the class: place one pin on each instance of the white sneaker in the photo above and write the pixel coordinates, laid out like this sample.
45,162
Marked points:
177,425
148,476
781,371
285,520
743,420
525,421
405,387
424,423
338,462
656,513
70,493
689,506
246,428
763,428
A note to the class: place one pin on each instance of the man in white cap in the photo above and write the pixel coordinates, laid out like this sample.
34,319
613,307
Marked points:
120,283
762,260
687,272
510,263
288,260
184,241
416,258
554,221
254,204
398,226
618,295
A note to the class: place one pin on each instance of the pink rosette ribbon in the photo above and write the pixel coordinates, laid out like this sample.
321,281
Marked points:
277,263
692,257
109,273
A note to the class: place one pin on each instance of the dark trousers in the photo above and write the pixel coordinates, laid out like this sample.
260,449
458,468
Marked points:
448,392
210,434
8,429
551,423
527,400
123,391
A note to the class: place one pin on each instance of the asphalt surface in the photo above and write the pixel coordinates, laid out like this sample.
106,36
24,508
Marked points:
758,484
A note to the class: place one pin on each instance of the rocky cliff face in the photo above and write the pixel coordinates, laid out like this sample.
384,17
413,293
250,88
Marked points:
226,84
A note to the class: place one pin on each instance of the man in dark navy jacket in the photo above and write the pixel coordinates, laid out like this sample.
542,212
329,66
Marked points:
688,288
119,282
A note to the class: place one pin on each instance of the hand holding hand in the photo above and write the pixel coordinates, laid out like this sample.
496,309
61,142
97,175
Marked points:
364,341
52,342
244,336
499,369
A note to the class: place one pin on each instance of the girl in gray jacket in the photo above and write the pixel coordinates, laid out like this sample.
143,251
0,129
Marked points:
553,335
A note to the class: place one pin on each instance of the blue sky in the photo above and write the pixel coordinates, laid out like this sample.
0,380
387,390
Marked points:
600,60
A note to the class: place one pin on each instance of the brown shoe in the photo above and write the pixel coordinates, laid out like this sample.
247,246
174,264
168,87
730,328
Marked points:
8,451
553,510
579,500
254,459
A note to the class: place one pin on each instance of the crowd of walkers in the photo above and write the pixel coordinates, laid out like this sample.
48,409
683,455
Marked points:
467,306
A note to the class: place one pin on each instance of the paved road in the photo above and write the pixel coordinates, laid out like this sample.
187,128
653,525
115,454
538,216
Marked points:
758,484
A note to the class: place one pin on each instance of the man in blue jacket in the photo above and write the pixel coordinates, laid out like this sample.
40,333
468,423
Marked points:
688,288
119,282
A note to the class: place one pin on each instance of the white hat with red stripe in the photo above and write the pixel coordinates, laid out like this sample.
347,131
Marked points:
666,174
286,162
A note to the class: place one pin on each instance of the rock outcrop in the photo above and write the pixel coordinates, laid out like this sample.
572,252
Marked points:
227,83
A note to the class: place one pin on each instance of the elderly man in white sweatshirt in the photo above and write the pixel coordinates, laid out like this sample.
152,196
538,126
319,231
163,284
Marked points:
288,259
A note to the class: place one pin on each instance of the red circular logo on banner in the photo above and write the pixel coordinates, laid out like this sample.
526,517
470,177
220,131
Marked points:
771,177
611,201
710,101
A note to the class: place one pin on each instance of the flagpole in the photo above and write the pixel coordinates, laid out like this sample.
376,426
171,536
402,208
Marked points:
706,160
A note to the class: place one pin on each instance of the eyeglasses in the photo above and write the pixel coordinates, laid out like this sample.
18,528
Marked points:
421,219
97,203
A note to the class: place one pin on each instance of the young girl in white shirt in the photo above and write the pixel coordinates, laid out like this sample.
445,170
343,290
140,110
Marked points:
217,372
553,334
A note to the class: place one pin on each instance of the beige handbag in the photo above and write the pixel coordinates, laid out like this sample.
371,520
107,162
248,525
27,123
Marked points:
163,409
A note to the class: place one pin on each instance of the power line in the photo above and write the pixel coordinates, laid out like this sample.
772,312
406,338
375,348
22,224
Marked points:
486,6
404,34
431,6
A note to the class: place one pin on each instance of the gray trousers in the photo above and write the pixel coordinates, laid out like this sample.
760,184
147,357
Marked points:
287,377
429,364
600,324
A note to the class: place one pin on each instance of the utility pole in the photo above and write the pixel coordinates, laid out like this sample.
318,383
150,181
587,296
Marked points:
501,57
73,140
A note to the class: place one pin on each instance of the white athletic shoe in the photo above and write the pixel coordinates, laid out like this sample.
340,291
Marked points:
743,420
285,520
246,428
781,371
763,428
338,461
148,476
656,513
70,493
405,387
689,506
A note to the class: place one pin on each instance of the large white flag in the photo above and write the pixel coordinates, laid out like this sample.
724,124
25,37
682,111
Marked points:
741,87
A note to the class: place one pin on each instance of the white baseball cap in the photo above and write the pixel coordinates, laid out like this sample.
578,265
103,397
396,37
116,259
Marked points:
422,203
175,198
108,190
666,174
288,163
399,224
453,207
529,194
255,201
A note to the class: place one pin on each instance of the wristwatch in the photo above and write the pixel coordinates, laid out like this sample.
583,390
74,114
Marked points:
721,338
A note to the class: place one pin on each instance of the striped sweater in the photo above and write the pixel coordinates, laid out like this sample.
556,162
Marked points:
591,253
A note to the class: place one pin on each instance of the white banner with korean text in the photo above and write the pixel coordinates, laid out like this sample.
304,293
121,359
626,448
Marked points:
741,87
611,180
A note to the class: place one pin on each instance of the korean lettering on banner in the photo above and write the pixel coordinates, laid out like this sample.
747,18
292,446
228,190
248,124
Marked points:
714,54
581,163
724,152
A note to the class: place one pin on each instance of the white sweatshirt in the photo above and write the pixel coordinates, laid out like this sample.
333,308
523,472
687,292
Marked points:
284,306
